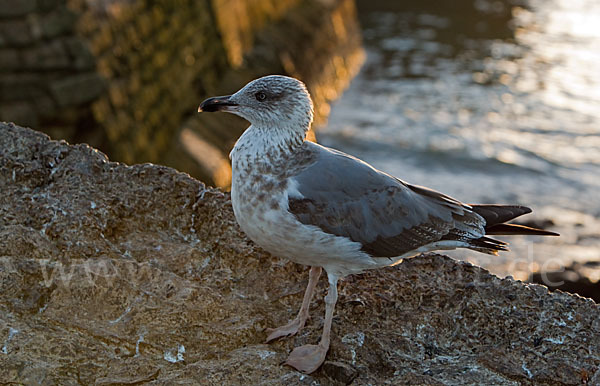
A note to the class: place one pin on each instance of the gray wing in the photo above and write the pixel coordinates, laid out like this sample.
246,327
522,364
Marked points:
347,197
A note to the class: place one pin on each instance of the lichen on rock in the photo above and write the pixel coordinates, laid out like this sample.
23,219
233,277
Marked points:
117,274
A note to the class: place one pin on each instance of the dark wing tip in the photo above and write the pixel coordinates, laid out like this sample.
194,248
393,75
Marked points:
515,229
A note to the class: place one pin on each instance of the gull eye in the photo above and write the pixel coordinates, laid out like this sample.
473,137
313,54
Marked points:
260,96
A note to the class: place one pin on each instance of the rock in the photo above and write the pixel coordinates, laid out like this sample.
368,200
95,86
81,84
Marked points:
580,278
58,22
47,56
77,89
27,87
48,5
116,274
80,53
9,59
16,32
12,8
340,372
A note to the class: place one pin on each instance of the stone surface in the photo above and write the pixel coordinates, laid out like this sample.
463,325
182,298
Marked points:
78,89
47,56
12,8
341,372
80,53
48,5
28,87
16,32
58,22
116,274
239,22
9,59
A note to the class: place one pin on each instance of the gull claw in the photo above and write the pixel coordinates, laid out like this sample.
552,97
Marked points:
307,358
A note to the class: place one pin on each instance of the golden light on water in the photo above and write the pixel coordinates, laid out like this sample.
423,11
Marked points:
563,40
509,112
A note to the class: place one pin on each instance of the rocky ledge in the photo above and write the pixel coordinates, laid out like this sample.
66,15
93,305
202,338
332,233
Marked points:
117,274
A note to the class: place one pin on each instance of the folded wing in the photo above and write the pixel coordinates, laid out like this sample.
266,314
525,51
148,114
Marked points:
347,197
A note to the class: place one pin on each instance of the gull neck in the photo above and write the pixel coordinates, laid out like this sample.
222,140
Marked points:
257,141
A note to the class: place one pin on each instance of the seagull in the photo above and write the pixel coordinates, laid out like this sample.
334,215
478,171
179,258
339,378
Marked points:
323,208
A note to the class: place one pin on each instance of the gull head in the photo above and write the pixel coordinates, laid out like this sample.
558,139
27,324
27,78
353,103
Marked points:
273,101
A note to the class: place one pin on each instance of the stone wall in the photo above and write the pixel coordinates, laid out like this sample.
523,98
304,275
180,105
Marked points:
46,71
127,76
159,58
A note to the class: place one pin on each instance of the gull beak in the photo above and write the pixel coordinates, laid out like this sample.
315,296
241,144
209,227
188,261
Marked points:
220,103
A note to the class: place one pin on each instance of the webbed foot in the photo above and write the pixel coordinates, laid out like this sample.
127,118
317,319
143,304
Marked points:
307,358
289,329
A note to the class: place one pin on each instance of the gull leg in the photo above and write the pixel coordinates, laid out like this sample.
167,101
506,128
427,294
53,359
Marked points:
296,325
308,358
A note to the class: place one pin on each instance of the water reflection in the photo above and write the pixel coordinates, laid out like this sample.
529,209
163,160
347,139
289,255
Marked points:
489,101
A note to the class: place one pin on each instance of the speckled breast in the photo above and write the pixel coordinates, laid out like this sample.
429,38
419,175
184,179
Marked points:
259,203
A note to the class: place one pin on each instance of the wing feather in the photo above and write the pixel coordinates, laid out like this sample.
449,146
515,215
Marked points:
347,197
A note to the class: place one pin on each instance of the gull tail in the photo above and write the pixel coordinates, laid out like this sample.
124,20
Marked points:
495,217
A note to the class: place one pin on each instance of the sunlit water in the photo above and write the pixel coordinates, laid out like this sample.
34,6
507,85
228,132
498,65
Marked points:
490,102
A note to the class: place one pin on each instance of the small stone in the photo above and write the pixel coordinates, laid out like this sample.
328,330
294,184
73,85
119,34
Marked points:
77,89
16,32
48,5
340,372
49,56
80,53
11,8
57,22
9,59
35,26
19,86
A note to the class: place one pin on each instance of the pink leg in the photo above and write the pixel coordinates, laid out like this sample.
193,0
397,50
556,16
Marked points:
296,325
308,358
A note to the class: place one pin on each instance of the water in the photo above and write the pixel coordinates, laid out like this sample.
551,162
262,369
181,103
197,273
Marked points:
490,102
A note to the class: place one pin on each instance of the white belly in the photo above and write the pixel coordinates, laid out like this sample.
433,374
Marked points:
261,210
